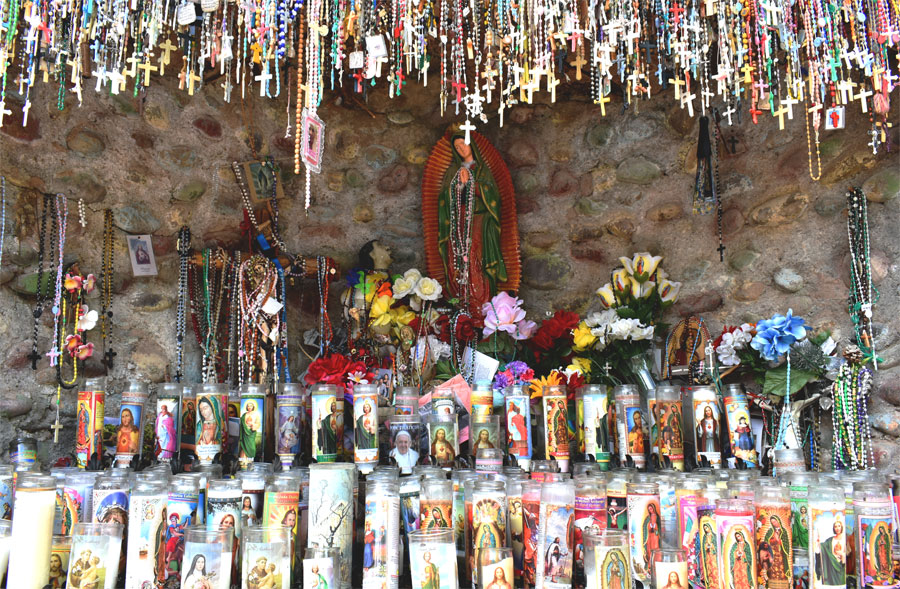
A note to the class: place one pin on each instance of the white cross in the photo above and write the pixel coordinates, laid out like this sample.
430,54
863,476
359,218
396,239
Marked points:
688,99
77,91
468,127
845,87
424,70
863,94
263,80
101,78
117,81
789,103
227,86
500,110
552,83
25,110
3,111
728,112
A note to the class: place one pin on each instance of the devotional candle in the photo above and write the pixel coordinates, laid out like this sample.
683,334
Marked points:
555,556
432,559
327,422
773,537
590,514
443,439
97,549
616,499
740,432
181,511
707,425
670,422
381,536
406,400
130,432
253,488
188,431
799,484
828,546
6,491
208,558
89,411
518,424
210,421
644,526
708,537
365,427
146,549
484,433
531,519
168,421
556,425
688,496
595,398
252,430
60,552
668,568
459,478
289,417
410,502
331,503
489,513
320,566
632,425
436,504
607,560
874,541
233,423
482,400
32,532
265,552
280,507
223,506
541,468
737,546
78,497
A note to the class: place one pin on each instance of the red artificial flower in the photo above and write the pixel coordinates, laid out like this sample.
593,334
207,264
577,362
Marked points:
360,367
465,329
330,369
559,326
442,328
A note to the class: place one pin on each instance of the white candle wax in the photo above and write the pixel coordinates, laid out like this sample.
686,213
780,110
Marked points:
5,543
32,535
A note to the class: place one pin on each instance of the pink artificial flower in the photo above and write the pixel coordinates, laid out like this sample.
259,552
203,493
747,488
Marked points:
72,343
73,283
524,330
84,352
89,283
503,313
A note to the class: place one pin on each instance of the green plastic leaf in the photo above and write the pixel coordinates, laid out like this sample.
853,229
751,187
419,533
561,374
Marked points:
776,381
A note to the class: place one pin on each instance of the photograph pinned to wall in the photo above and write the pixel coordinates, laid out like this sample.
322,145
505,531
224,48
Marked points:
318,573
261,178
313,141
384,380
140,250
203,566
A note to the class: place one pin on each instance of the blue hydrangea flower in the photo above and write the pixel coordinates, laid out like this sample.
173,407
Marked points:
775,336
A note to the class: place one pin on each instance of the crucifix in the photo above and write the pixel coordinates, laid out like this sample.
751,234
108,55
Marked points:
3,111
56,427
468,127
578,63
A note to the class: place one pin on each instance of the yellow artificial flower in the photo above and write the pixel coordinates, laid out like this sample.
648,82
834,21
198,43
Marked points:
621,281
644,265
582,337
668,292
642,290
380,313
607,296
580,365
536,386
402,315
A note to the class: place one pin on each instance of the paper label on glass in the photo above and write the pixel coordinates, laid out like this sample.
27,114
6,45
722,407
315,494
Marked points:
671,436
129,434
168,417
435,513
707,431
488,520
774,547
518,427
596,428
516,522
531,512
874,546
181,513
590,515
671,575
708,541
146,560
251,440
210,426
800,517
556,557
484,435
266,562
632,429
405,444
498,575
443,441
331,514
828,566
78,506
288,426
365,431
59,563
95,562
410,505
318,573
223,510
381,540
281,510
6,500
89,422
328,427
459,519
111,507
252,501
556,427
737,561
644,532
206,565
188,422
433,565
613,568
688,523
482,404
740,432
617,510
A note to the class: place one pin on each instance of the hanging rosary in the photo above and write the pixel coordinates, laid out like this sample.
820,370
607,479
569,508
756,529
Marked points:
184,249
48,210
106,287
852,430
705,194
863,294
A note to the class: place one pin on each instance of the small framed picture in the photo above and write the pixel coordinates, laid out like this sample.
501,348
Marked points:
376,46
261,179
313,141
143,262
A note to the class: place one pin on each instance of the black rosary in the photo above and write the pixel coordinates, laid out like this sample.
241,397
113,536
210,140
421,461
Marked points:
184,250
43,286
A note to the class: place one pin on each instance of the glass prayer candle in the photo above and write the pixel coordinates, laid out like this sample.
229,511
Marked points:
828,546
110,499
607,559
223,506
540,468
411,502
787,461
331,504
740,432
6,544
181,511
6,491
167,426
146,549
327,422
188,442
91,403
489,513
617,500
596,423
556,426
23,450
737,546
288,423
60,474
688,496
773,537
489,460
581,469
381,536
60,553
482,401
442,401
555,539
668,508
280,504
531,518
321,567
579,423
79,496
590,515
130,432
252,430
707,418
233,424
266,553
485,433
459,478
208,555
436,504
406,401
632,425
799,484
210,421
428,471
741,489
518,424
32,532
96,548
365,426
707,538
644,526
669,417
432,559
201,478
494,568
406,432
253,488
872,506
443,439
668,568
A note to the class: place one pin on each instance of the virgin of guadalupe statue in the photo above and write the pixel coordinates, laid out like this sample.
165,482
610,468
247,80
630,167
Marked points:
469,217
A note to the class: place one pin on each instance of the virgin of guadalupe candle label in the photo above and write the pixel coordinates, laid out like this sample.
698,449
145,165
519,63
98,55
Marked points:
365,431
686,502
146,563
737,561
381,558
288,427
874,545
799,516
433,566
828,569
671,436
644,531
774,547
596,428
189,433
90,425
128,433
556,431
633,434
265,565
498,575
484,435
78,506
708,539
613,568
488,520
205,565
59,565
557,548
210,426
518,427
328,427
94,562
318,573
707,430
250,445
442,441
410,504
740,433
182,513
168,415
531,529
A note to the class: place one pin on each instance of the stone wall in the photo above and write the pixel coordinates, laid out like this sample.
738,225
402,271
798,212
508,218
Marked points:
589,189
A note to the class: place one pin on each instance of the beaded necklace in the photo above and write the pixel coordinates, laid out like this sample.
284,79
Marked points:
852,435
863,294
462,212
62,216
184,248
43,285
106,271
2,216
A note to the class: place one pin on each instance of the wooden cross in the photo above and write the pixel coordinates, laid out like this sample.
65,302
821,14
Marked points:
552,83
603,100
147,67
167,47
780,114
578,63
192,77
863,94
678,84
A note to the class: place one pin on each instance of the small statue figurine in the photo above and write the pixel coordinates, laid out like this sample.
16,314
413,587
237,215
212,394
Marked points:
372,265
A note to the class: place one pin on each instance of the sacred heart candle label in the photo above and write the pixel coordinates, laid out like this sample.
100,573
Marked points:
209,5
186,14
357,60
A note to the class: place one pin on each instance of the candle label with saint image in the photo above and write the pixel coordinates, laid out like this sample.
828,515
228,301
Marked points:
516,531
90,425
181,511
410,504
644,531
129,433
488,520
318,573
800,516
433,566
381,540
281,510
6,498
737,561
485,434
251,441
111,507
206,565
498,575
436,513
708,539
774,547
146,562
78,505
556,428
365,429
830,547
59,564
653,428
613,566
265,562
671,437
707,430
633,429
518,427
596,428
223,510
617,508
557,550
688,522
189,420
740,433
443,441
531,519
590,515
168,420
328,427
252,501
288,427
210,426
874,546
94,561
459,518
233,429
671,575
